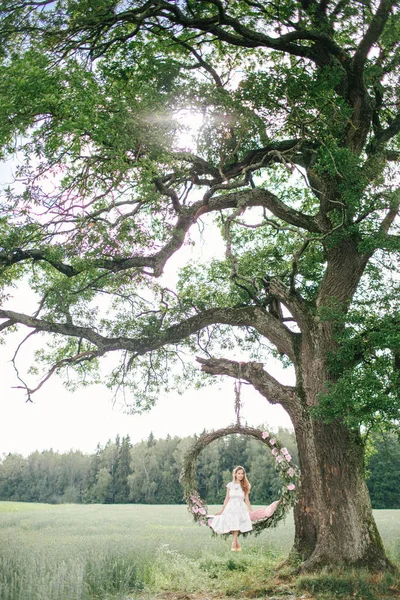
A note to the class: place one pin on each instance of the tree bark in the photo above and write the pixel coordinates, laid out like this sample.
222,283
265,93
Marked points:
333,515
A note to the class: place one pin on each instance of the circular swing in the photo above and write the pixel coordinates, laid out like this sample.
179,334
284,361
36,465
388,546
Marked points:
261,518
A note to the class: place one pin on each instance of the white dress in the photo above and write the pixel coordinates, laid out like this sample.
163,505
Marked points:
235,516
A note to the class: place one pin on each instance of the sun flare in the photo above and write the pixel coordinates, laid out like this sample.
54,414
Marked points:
190,122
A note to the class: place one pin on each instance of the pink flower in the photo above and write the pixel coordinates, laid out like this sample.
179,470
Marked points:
284,451
274,452
272,441
202,511
279,459
291,471
195,509
291,487
202,522
209,522
264,435
288,457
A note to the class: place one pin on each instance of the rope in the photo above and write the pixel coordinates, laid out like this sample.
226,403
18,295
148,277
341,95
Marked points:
238,403
237,386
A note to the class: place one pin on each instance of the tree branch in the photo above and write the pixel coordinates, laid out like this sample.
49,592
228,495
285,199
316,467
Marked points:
102,29
392,155
388,242
292,150
72,360
7,324
187,216
202,63
292,301
249,37
254,373
261,197
255,317
384,136
390,216
62,328
373,33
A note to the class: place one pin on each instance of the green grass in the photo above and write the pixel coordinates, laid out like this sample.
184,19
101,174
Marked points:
96,552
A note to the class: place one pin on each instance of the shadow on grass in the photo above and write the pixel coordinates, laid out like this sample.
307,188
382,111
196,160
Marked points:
350,584
250,577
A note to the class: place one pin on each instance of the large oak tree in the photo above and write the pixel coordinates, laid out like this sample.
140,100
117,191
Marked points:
295,164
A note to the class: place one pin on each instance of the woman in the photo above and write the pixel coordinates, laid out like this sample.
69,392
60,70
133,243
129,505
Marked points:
234,515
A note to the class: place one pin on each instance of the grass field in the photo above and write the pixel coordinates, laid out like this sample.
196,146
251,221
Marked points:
126,552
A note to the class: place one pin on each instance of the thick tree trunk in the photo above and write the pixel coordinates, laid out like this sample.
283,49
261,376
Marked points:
333,515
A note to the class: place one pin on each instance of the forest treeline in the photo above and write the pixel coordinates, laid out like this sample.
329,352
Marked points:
148,472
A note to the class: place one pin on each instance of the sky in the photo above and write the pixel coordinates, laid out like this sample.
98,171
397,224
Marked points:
62,420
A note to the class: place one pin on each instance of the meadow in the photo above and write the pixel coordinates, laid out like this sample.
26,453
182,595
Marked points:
126,552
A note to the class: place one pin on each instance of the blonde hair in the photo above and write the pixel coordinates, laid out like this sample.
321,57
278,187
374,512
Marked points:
245,482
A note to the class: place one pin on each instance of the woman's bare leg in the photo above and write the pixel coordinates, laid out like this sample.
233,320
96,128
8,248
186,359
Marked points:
235,543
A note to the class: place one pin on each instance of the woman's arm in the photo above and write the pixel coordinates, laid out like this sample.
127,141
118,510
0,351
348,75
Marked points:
225,503
247,500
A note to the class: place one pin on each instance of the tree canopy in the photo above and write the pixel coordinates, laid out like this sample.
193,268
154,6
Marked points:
296,154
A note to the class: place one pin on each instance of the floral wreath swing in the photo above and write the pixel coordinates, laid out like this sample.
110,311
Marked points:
261,518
